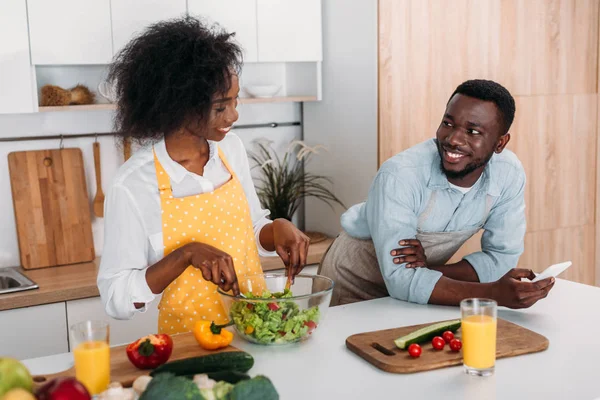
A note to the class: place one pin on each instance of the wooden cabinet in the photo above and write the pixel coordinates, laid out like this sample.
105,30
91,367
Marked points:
33,331
16,77
546,53
237,16
70,31
121,331
289,30
132,16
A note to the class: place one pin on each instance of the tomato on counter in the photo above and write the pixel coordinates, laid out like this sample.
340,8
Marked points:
150,351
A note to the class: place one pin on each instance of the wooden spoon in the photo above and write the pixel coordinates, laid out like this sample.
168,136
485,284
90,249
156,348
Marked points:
99,199
126,149
288,283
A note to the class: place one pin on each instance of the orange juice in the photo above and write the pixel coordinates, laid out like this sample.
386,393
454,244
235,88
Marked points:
479,341
92,365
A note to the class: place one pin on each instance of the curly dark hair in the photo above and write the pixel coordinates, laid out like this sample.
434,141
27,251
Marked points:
170,73
490,91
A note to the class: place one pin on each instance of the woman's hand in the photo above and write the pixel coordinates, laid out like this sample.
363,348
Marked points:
291,245
413,254
216,265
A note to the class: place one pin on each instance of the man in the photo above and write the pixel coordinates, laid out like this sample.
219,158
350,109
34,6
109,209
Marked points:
427,201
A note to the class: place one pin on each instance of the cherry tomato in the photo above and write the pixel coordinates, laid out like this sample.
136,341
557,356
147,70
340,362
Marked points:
414,350
455,345
438,343
448,336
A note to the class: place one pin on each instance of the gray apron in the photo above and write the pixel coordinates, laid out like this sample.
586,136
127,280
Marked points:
352,263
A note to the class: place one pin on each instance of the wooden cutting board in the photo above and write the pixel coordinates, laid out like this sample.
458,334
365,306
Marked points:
379,349
52,207
121,369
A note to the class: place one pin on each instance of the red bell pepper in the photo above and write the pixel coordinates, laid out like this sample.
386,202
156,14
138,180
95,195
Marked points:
150,351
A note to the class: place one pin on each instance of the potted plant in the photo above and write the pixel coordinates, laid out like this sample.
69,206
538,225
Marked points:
284,183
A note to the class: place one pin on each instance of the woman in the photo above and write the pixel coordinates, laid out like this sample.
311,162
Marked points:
182,216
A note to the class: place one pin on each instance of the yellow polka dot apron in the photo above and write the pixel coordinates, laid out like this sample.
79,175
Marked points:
221,219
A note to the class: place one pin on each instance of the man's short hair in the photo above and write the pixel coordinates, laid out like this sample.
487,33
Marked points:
490,91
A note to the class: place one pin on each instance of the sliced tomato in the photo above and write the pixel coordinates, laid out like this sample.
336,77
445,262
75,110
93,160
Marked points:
273,306
311,326
250,306
282,333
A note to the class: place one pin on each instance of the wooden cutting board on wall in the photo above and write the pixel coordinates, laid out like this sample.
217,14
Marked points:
52,207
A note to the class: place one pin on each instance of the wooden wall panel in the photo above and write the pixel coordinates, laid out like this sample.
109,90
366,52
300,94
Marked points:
544,248
555,139
597,231
428,47
576,244
546,53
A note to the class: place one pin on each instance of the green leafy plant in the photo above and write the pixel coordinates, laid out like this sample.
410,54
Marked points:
284,182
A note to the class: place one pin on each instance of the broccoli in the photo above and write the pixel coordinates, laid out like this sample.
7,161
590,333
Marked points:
167,386
257,388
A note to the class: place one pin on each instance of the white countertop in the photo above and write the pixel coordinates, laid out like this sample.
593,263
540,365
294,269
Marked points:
322,367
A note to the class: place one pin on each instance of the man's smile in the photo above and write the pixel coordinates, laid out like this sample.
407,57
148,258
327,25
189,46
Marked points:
453,156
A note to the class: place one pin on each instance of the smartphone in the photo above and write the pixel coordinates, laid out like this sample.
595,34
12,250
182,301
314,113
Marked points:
553,270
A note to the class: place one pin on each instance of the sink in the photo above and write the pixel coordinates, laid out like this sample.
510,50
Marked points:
11,280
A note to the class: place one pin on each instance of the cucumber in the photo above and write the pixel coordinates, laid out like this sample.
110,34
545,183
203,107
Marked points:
427,333
230,360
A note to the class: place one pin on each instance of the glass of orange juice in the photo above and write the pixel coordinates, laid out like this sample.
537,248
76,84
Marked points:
478,325
90,341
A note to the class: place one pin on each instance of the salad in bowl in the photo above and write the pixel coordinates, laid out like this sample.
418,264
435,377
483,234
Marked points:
267,313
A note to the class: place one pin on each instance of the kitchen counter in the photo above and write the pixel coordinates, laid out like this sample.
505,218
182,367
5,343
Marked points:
78,281
322,367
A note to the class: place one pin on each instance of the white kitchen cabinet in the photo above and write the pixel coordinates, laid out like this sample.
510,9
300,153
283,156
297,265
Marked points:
289,30
33,331
132,16
121,331
237,16
17,75
70,32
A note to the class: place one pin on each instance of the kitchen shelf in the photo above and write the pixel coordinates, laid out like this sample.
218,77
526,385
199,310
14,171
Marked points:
244,100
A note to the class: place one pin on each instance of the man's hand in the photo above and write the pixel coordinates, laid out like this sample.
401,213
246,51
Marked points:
216,265
511,292
413,254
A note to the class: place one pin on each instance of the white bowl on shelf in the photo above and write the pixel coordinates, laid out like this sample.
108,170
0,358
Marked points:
107,91
262,91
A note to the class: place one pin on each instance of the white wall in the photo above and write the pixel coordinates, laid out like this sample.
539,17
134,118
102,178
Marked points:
345,121
52,123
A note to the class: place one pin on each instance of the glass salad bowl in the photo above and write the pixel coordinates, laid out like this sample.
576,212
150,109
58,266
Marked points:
266,313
